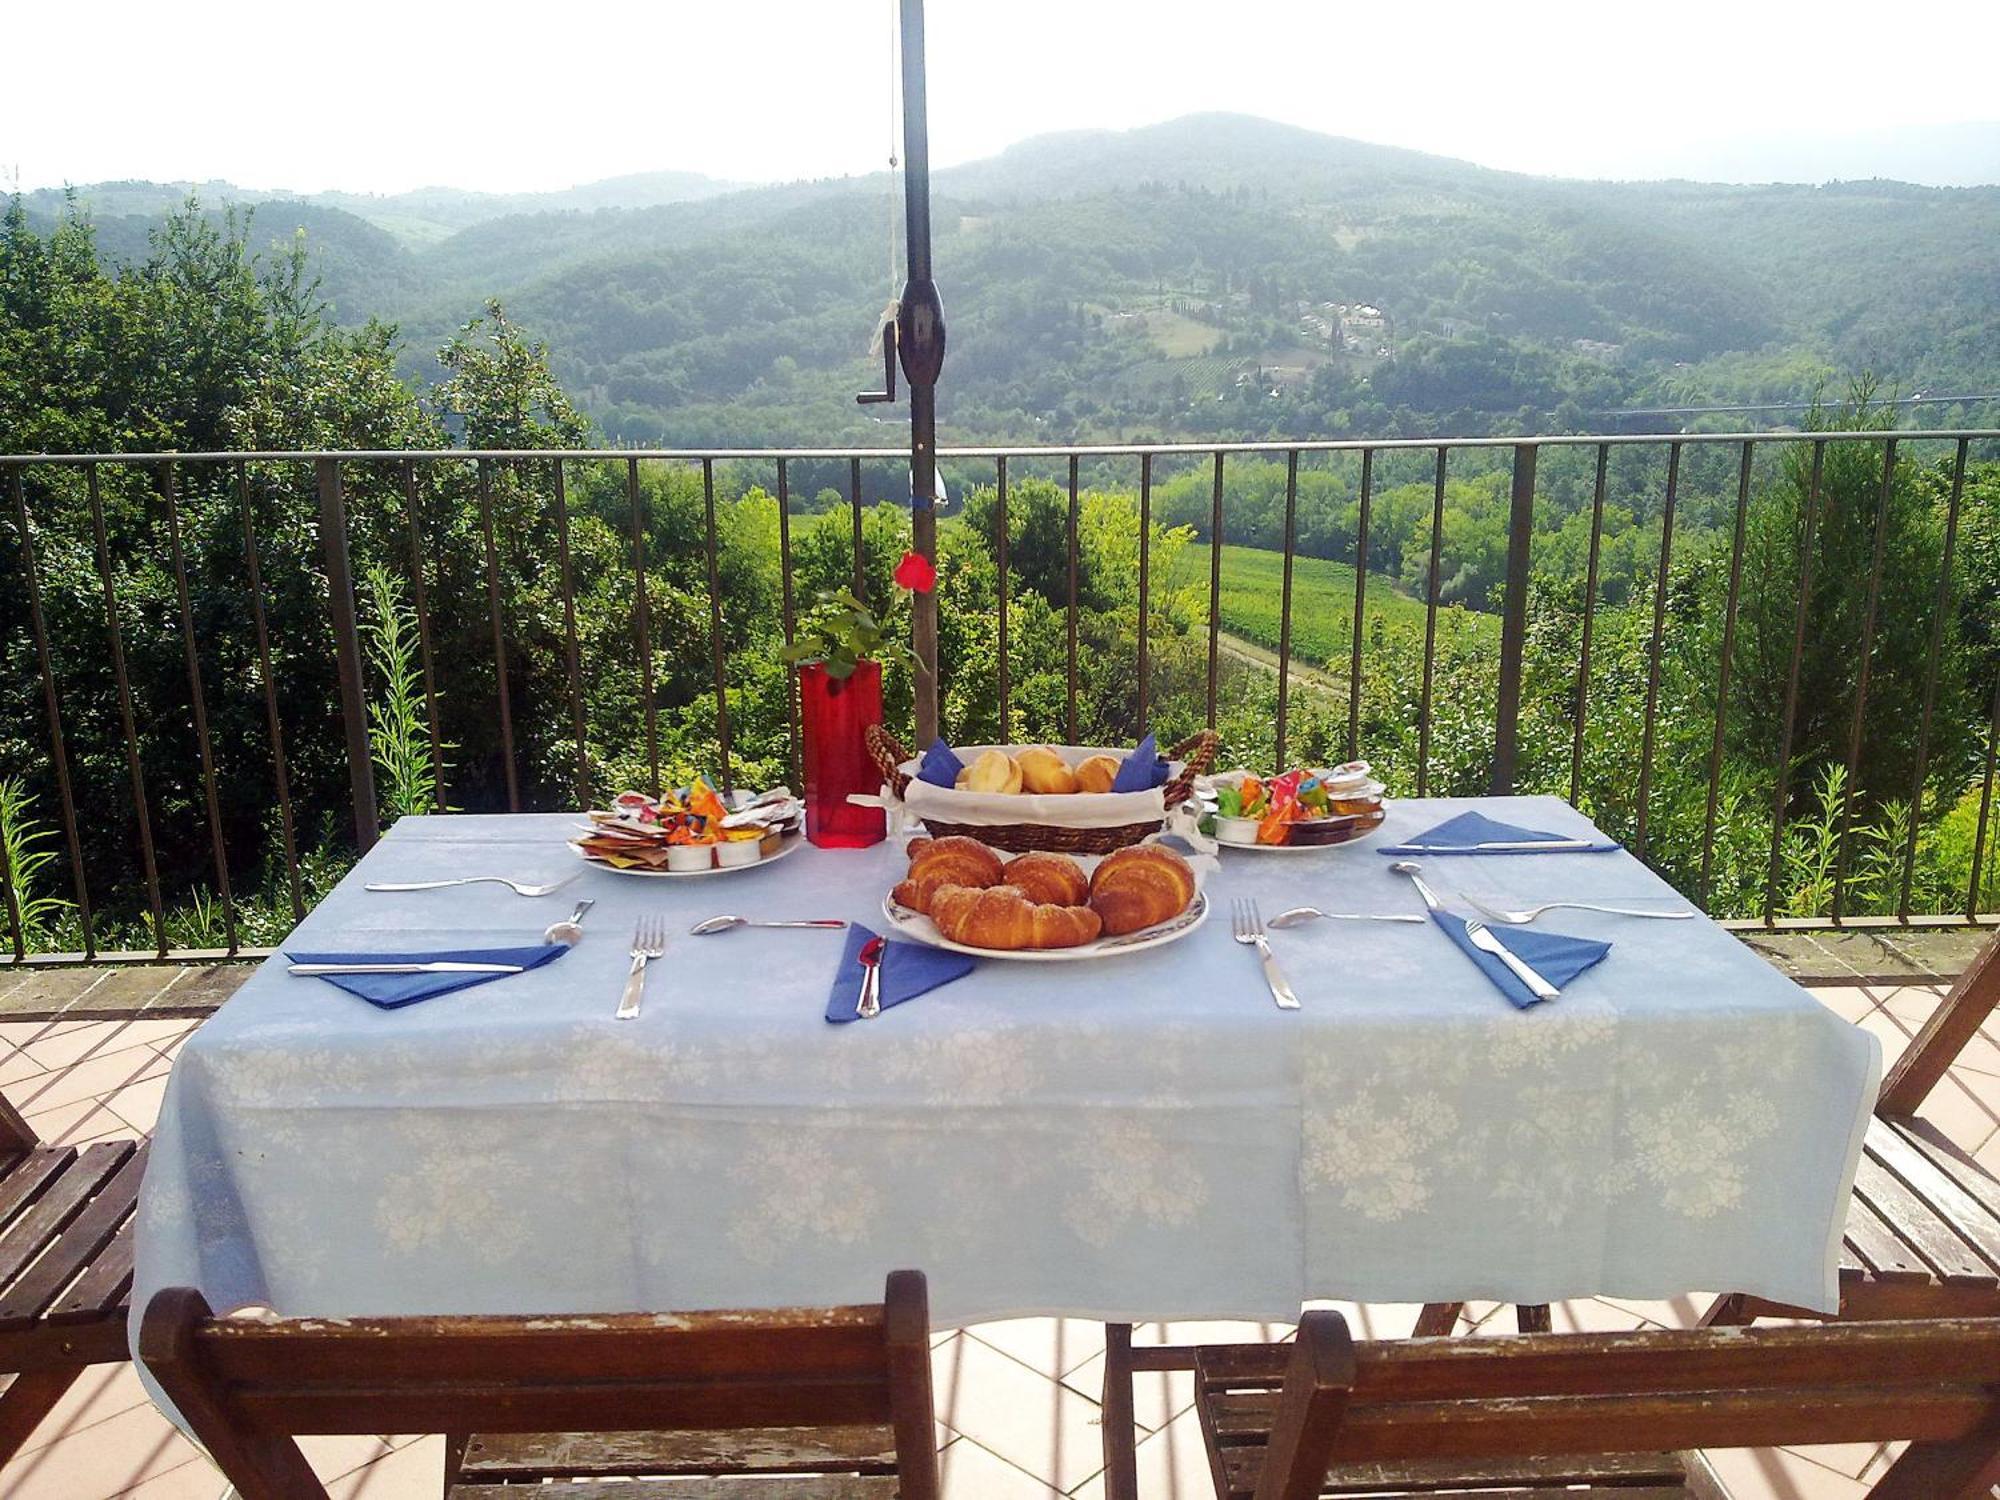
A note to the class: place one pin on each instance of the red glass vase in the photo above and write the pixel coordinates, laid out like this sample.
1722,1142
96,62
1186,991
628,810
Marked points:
835,713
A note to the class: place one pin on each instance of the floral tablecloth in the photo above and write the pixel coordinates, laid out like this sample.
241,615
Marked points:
1143,1137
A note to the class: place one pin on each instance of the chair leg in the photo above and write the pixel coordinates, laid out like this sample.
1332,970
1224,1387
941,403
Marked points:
31,1397
1121,1460
1437,1320
1532,1317
1964,1468
1731,1310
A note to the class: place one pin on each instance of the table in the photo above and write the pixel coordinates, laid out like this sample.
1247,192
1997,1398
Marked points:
1134,1139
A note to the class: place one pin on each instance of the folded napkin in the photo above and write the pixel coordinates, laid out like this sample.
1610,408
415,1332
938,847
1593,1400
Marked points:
389,991
941,766
1142,770
908,970
1462,835
1556,958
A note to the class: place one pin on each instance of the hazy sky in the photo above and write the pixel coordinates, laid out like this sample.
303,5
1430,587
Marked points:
371,95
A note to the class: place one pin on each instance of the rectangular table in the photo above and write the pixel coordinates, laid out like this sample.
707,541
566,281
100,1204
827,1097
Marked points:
1140,1138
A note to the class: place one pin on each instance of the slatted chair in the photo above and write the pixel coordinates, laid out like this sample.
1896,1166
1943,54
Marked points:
797,1404
65,1266
1923,1228
1594,1414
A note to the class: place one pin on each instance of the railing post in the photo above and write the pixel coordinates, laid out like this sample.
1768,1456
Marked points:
1514,620
347,649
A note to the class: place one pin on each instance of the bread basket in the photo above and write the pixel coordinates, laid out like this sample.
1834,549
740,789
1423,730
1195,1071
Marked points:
1094,822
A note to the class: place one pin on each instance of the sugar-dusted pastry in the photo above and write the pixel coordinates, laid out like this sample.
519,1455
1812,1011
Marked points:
1136,887
1054,878
941,862
994,771
1002,916
1096,773
1043,771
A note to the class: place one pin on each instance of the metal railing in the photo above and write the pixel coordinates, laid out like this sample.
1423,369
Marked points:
416,473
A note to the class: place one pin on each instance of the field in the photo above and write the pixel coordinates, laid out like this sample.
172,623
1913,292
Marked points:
1322,601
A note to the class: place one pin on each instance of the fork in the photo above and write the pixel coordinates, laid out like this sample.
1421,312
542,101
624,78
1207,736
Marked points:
1528,914
515,886
1247,927
649,941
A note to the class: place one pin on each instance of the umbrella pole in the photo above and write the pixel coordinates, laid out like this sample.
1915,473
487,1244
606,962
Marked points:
920,346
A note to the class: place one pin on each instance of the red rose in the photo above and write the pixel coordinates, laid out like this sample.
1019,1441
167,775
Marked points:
916,573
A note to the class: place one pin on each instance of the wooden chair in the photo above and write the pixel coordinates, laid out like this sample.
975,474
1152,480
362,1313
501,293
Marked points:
802,1403
65,1266
1594,1414
1923,1227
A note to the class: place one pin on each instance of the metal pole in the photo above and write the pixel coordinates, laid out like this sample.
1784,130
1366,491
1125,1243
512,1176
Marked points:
920,345
347,650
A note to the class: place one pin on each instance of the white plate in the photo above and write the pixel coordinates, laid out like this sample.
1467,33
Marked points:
791,843
919,928
1359,838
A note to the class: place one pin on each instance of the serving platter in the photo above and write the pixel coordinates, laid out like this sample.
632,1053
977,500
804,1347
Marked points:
790,845
919,928
1346,843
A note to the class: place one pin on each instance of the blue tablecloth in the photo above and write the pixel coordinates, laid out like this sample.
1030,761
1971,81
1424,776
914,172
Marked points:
1139,1138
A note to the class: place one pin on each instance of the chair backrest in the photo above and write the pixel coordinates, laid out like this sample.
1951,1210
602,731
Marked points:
1934,1049
1548,1395
248,1388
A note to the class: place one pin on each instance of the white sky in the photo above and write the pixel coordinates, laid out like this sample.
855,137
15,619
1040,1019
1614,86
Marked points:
377,96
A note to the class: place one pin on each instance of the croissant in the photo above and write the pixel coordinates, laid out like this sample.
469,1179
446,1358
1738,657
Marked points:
1044,771
1002,916
1096,773
1053,878
1136,887
947,861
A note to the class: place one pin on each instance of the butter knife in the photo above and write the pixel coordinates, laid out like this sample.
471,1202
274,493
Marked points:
440,966
870,1004
1484,940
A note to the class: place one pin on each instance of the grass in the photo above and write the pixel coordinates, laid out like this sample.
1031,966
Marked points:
1177,336
1322,600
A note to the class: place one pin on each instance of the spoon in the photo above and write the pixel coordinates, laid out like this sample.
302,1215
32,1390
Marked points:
1299,914
724,923
570,931
1415,871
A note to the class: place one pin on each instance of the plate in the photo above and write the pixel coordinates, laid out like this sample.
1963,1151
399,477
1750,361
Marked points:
919,928
1359,838
791,843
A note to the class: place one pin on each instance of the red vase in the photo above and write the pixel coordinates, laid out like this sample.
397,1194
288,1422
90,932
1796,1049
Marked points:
835,713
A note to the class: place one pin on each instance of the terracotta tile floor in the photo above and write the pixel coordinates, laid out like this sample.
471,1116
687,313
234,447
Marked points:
1017,1400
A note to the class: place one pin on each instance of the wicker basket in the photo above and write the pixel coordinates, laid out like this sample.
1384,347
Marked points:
1197,754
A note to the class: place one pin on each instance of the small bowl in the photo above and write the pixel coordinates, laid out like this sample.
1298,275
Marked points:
1235,830
687,857
731,853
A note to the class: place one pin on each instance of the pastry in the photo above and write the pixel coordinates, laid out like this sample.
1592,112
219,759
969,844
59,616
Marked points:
1096,773
1002,916
1053,878
1045,772
940,862
1136,887
994,771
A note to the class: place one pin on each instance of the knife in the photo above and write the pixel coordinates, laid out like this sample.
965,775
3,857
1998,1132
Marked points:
439,967
1484,940
870,1004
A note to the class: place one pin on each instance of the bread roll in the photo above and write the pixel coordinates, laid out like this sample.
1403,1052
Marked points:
1045,772
1053,878
948,861
1096,773
1139,886
1002,916
994,771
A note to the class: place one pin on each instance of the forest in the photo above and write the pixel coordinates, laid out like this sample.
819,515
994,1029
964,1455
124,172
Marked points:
200,594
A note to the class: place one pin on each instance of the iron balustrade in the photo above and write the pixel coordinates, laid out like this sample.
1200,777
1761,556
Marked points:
416,471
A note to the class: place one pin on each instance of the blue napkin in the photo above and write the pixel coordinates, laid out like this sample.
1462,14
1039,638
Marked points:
390,991
1556,958
1472,828
941,766
908,970
1142,770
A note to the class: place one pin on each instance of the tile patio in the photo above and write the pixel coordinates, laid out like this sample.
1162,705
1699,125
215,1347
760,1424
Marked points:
1017,1400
